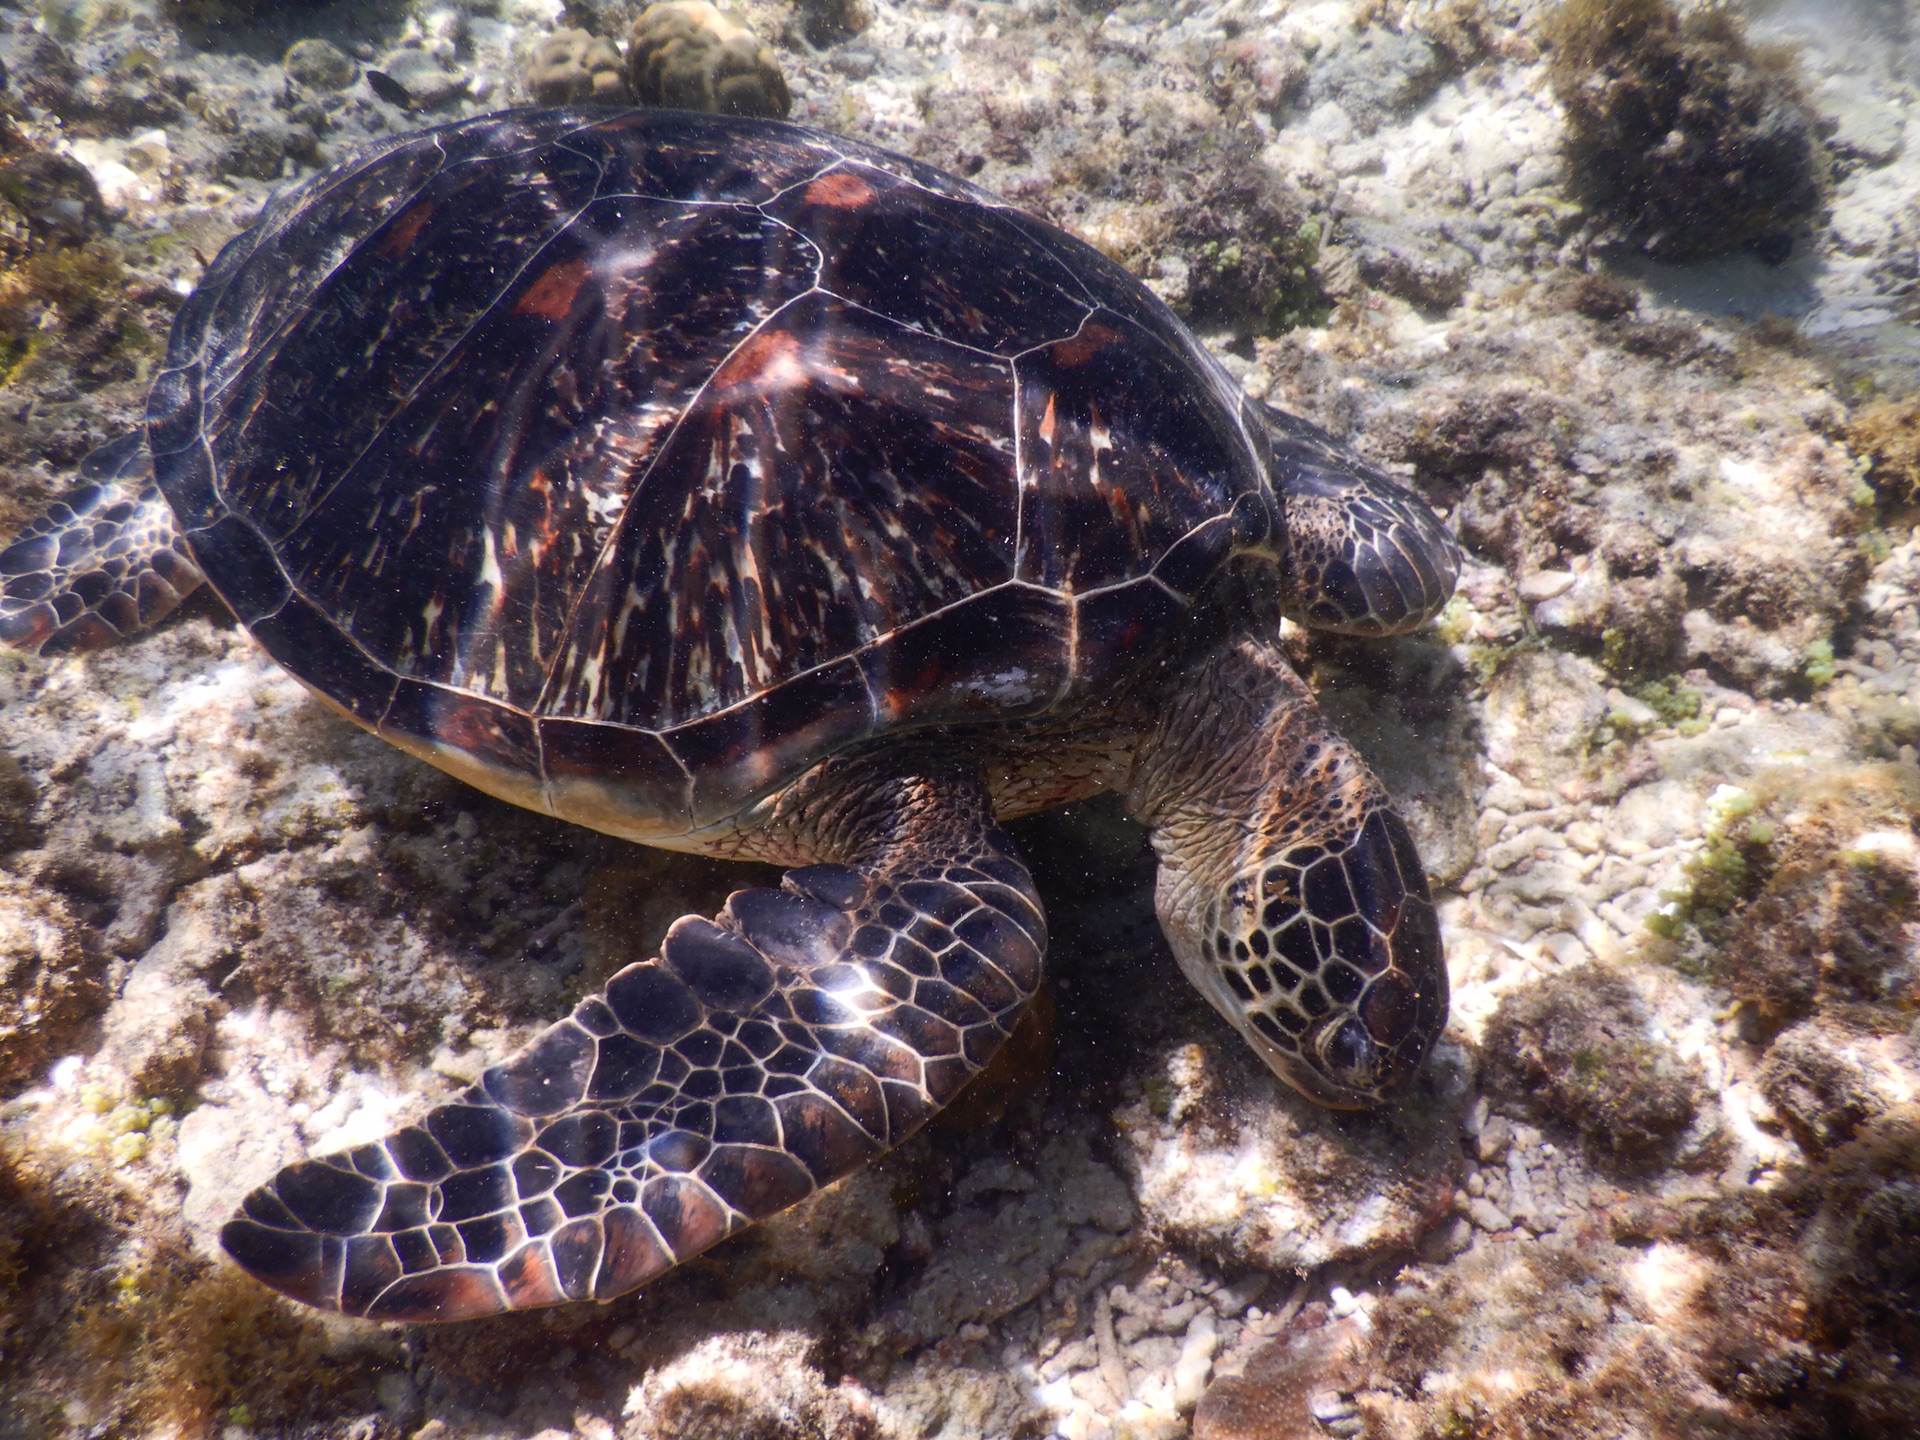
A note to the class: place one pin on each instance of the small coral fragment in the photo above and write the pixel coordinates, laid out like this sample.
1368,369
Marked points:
572,67
688,55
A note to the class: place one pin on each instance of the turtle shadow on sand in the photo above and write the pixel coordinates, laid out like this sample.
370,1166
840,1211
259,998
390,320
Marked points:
1403,703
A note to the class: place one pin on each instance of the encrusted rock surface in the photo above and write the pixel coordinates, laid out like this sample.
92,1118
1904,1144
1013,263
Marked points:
1663,1176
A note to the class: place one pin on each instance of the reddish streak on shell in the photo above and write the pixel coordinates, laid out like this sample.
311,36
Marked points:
1081,348
470,725
633,1255
551,296
405,230
839,190
529,1280
760,361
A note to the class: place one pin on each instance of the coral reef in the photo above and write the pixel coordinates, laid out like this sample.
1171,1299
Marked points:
1679,132
689,55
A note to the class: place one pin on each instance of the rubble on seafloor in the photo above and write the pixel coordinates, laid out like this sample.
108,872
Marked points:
1663,1175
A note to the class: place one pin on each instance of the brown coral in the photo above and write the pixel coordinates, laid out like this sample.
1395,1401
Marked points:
572,67
688,55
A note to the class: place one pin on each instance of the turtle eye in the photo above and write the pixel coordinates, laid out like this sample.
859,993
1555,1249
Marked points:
1350,1055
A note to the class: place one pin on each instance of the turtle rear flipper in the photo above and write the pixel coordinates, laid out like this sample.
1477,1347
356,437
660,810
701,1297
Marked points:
1366,556
758,1057
101,564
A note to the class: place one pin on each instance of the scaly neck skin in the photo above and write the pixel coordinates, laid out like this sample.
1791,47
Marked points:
1220,732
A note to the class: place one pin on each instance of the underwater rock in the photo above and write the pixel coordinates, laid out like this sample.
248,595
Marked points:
1296,1388
689,55
1680,133
1246,244
1886,433
55,197
573,67
828,22
1817,929
1225,1160
756,1387
258,152
1541,711
1378,73
1576,1050
51,982
1418,264
1864,1244
1819,1087
1010,1230
319,65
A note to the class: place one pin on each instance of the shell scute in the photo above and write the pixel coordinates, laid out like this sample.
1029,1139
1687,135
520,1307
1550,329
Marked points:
553,410
1004,653
917,258
1122,455
842,480
738,752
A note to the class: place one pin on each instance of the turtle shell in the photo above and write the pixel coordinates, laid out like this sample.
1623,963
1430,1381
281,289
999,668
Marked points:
628,464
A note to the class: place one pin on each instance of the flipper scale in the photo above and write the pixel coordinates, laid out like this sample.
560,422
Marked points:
103,562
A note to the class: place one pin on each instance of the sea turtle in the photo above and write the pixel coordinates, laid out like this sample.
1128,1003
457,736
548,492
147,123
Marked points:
739,488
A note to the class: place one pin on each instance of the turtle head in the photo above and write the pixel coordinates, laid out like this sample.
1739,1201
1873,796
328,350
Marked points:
1325,954
1290,891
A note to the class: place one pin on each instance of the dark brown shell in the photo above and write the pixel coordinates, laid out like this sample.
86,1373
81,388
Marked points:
631,463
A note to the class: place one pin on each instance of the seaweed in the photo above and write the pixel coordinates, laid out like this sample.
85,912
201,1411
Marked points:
1886,435
1684,137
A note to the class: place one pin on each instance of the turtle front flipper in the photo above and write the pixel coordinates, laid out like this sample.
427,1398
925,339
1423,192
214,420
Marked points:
100,564
1366,556
758,1057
